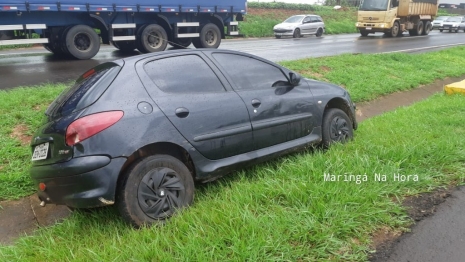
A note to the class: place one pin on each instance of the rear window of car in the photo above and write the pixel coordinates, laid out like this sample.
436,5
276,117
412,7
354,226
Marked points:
85,91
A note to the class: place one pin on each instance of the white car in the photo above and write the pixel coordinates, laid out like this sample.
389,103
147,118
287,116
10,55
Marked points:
437,22
453,23
299,25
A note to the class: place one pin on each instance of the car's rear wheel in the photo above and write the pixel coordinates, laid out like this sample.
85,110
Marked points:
153,189
319,32
337,127
296,33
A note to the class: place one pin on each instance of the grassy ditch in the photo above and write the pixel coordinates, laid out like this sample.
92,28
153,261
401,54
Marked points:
285,210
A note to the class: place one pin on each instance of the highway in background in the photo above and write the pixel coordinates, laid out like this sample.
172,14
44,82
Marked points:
32,66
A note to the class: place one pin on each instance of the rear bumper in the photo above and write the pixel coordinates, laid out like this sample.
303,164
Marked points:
70,184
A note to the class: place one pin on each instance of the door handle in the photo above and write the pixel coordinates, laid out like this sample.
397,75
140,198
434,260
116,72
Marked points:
256,103
182,112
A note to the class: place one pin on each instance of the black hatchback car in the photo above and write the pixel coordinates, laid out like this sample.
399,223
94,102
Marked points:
137,132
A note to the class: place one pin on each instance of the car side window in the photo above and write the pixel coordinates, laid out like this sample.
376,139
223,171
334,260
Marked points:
183,74
249,73
306,19
314,19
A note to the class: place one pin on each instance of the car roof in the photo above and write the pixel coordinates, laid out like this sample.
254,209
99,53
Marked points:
135,59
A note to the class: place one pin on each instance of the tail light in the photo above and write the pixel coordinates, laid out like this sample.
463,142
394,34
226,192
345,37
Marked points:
90,125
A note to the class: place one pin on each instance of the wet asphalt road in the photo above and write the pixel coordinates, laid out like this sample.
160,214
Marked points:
33,66
437,238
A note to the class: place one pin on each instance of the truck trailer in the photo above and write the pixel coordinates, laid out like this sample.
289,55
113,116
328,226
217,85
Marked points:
393,17
76,28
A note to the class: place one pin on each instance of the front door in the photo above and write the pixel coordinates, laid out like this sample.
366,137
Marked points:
278,111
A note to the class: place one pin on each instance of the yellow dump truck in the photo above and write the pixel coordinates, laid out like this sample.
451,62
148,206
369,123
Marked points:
393,17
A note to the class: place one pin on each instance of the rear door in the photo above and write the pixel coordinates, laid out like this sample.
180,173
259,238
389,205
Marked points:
278,111
193,96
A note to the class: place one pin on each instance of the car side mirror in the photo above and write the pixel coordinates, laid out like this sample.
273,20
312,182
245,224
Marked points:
294,78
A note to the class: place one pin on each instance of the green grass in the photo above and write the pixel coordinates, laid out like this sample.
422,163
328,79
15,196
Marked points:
260,22
21,109
284,210
367,76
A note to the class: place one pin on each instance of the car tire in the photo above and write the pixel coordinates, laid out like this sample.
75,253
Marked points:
277,36
296,33
210,37
336,128
319,32
153,189
457,31
82,42
151,38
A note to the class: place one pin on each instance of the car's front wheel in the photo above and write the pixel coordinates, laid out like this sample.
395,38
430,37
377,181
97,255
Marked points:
153,189
296,33
337,127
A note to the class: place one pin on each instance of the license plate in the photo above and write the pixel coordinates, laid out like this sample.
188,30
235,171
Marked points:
446,27
278,33
368,28
40,152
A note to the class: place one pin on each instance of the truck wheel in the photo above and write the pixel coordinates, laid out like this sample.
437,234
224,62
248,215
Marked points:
394,30
151,38
153,189
427,28
82,42
210,37
180,43
363,33
125,46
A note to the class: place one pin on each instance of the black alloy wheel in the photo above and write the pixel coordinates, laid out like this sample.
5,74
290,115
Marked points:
153,189
160,193
337,127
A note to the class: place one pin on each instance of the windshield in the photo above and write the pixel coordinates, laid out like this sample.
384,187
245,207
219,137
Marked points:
454,19
294,19
374,5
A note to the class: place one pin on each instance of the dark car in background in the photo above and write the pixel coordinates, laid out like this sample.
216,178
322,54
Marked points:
137,132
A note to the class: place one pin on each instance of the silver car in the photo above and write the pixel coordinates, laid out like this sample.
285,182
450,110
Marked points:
299,25
453,23
437,22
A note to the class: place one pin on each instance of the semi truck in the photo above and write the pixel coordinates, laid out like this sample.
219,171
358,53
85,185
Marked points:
77,28
393,17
